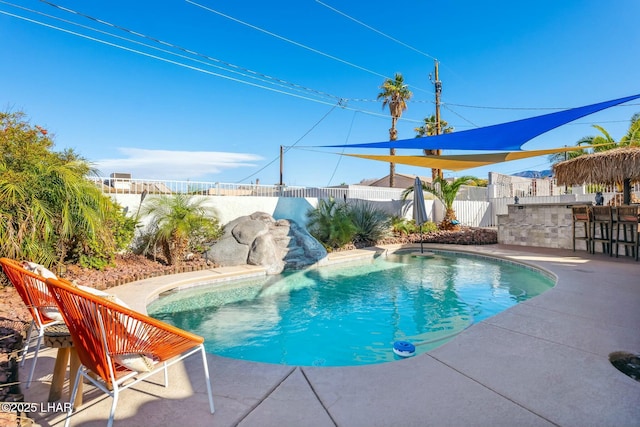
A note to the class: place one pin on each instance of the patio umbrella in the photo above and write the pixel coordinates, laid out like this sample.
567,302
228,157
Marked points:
619,165
419,209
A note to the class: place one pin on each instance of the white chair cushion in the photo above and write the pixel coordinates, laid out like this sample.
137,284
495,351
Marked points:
138,362
40,270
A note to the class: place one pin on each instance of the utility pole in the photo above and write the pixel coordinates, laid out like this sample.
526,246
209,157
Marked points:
437,173
281,165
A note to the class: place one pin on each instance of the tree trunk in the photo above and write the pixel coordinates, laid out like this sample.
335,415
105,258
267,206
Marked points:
393,135
392,169
179,247
447,222
166,250
439,171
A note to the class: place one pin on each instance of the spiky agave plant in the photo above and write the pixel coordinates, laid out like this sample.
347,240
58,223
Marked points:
371,223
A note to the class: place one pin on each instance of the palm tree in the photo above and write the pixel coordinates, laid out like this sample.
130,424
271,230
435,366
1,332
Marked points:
429,129
568,155
446,192
176,218
605,141
632,138
395,93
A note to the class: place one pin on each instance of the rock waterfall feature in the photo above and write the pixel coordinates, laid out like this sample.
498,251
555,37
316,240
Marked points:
259,239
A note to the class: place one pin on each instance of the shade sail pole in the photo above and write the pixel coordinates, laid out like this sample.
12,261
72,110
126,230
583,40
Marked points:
437,173
281,164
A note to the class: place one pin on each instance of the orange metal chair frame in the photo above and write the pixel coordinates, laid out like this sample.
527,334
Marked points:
101,330
33,291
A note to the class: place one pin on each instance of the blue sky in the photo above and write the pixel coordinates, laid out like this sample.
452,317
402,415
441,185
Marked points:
127,107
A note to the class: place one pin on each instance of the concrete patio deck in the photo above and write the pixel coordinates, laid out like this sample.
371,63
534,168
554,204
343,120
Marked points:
543,362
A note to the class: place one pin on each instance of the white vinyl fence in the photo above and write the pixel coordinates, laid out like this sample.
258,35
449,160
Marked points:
474,206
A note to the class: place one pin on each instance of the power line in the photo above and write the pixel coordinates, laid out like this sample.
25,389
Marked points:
376,30
97,40
459,115
293,42
278,82
382,33
353,119
484,107
159,58
294,144
244,72
284,82
208,9
431,57
253,74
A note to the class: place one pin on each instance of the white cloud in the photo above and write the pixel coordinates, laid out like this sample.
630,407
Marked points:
174,165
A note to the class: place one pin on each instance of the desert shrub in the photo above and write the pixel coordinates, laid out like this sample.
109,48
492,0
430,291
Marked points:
205,235
406,226
403,226
49,211
330,223
97,250
336,224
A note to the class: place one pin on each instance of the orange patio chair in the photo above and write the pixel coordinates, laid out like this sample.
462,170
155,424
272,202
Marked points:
119,347
42,307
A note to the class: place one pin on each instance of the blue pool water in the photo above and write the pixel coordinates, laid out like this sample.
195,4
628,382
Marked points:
350,314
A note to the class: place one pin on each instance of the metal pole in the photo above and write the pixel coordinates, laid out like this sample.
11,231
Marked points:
438,87
281,164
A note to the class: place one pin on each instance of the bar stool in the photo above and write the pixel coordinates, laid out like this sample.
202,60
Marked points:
581,215
627,222
602,228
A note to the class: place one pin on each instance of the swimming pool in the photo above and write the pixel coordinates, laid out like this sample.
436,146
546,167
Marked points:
350,314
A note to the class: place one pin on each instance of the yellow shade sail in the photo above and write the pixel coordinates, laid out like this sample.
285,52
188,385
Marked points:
465,161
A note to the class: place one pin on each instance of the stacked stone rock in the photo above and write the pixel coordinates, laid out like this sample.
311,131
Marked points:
259,239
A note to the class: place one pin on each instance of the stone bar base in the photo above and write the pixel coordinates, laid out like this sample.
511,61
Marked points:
546,225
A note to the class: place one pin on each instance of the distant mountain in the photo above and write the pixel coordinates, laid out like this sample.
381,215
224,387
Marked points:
534,174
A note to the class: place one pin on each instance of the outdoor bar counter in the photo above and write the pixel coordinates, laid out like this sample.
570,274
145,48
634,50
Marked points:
547,225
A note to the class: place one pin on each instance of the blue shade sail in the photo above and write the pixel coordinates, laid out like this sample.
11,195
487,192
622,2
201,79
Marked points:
508,136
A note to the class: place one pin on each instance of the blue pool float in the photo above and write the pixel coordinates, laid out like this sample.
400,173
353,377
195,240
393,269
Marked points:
404,348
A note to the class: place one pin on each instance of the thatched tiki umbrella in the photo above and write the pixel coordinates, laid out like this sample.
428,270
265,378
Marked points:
620,165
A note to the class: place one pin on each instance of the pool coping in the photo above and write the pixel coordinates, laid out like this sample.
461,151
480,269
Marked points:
542,362
139,294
